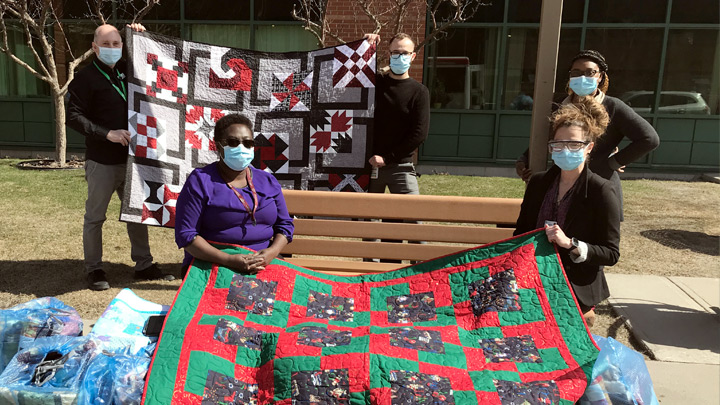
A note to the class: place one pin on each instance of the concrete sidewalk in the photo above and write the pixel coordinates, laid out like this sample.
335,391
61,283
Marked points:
678,320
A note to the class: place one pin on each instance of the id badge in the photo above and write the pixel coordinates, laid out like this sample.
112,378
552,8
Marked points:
550,223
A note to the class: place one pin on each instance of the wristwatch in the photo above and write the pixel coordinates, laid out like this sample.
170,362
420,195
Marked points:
575,242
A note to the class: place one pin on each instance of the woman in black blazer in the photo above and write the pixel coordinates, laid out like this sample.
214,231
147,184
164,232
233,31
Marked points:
579,210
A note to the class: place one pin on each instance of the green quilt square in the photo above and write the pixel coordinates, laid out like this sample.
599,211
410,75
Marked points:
379,295
380,367
459,282
551,360
465,397
213,319
483,380
198,366
471,338
359,319
531,310
302,289
360,344
360,397
454,356
279,317
298,327
445,317
284,367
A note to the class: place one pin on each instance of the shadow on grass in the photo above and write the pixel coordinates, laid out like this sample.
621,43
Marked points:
678,239
55,277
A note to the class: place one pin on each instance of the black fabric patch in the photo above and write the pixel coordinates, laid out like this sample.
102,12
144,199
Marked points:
221,389
321,337
411,308
233,334
326,306
531,393
520,349
425,340
320,387
497,293
250,294
411,387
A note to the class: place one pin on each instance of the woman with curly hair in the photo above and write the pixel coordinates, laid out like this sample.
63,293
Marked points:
579,210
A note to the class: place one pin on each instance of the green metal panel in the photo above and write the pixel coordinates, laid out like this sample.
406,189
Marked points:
74,138
440,146
511,148
671,129
37,111
672,153
705,154
475,146
11,132
707,131
10,110
40,132
515,126
477,124
444,123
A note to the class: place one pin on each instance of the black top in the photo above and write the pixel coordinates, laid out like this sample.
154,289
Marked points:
624,122
402,118
96,107
593,217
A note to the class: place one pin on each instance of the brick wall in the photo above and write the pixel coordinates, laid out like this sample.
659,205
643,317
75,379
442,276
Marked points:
349,21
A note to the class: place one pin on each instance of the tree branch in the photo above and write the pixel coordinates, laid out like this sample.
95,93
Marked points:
149,4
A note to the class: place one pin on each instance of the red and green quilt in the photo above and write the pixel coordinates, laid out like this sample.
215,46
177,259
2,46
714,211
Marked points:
497,324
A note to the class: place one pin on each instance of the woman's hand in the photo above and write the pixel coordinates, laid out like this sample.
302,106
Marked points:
557,236
249,264
266,256
136,27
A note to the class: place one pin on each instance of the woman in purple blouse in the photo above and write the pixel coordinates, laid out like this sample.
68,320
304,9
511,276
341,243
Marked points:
231,202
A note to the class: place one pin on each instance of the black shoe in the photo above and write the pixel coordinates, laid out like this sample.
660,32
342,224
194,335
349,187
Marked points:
97,281
153,273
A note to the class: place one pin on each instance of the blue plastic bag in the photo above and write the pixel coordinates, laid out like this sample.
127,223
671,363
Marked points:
114,378
40,317
620,377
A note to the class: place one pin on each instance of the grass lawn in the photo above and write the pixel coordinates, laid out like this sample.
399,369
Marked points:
670,228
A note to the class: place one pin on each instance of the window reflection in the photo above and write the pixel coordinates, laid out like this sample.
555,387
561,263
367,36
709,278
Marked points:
520,62
461,69
234,36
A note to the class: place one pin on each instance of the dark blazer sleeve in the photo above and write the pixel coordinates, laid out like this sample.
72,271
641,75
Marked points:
642,136
78,107
530,207
604,247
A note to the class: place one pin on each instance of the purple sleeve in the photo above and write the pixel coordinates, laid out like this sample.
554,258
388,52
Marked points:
283,224
189,210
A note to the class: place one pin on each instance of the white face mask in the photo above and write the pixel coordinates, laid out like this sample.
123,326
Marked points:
109,56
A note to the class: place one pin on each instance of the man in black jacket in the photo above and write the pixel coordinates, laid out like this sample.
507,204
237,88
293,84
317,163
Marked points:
98,109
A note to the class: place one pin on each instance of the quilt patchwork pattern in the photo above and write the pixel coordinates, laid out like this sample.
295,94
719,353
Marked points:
312,115
409,336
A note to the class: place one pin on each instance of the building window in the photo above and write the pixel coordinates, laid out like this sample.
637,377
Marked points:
461,69
624,11
230,35
217,10
283,38
520,62
691,81
695,11
15,80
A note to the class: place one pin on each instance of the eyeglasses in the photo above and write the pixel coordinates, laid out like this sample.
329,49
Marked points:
558,146
397,54
586,72
234,142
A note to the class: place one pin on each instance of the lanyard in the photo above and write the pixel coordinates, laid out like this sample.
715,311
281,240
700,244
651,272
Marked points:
242,200
123,92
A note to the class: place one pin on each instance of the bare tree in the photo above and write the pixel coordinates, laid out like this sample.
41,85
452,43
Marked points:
39,21
390,14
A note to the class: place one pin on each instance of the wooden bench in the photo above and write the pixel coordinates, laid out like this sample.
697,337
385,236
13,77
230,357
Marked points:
330,228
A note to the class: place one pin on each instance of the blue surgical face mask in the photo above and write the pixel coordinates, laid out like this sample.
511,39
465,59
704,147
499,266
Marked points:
569,160
109,56
583,86
400,64
239,157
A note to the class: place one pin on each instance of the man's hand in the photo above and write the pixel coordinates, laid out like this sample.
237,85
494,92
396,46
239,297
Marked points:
249,264
120,136
523,171
137,27
372,38
377,161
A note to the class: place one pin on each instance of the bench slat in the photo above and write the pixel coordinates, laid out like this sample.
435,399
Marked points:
380,250
383,230
398,206
343,267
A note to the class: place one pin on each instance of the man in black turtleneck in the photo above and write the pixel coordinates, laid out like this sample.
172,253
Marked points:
402,117
98,109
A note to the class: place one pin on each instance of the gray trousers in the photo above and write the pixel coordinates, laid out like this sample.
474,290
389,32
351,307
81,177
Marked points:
399,178
103,181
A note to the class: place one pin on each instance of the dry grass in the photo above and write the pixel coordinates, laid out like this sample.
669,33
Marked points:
41,237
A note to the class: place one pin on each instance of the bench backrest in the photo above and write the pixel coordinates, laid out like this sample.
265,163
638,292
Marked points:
334,224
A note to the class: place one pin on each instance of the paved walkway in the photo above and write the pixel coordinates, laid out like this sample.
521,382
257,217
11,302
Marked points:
678,319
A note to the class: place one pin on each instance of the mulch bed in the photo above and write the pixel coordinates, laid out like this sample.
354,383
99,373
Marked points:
49,164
